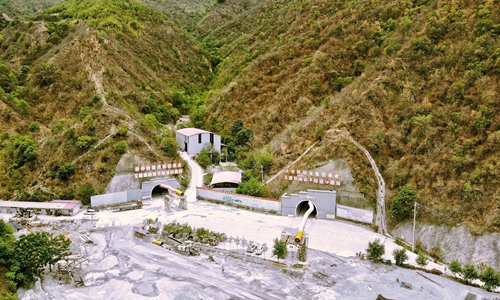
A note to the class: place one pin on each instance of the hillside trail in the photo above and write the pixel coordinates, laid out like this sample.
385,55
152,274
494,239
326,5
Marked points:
95,72
380,212
280,172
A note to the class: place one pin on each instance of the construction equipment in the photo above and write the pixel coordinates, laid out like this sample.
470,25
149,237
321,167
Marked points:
171,195
172,189
136,205
300,233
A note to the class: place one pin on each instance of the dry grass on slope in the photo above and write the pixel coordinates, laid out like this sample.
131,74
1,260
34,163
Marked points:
417,88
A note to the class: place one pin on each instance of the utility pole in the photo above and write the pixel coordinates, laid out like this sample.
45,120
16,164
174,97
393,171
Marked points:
414,222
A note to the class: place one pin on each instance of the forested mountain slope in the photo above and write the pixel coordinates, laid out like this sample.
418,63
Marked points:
414,81
84,82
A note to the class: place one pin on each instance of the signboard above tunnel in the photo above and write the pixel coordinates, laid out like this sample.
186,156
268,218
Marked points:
324,203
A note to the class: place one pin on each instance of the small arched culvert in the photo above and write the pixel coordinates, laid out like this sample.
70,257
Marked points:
302,207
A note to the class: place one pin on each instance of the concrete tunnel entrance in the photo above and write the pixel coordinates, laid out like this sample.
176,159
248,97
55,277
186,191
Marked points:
302,207
158,191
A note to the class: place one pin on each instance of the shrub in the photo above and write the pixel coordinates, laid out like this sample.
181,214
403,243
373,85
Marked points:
46,74
84,193
455,267
265,159
400,256
279,249
375,251
120,147
150,122
22,150
491,278
251,187
65,172
84,142
436,253
203,158
421,259
420,247
402,204
34,127
469,273
122,131
422,46
198,116
319,132
169,146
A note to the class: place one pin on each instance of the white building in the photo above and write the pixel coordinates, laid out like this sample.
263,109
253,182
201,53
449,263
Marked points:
193,140
55,207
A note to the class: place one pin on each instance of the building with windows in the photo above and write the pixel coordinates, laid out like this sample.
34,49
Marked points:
193,140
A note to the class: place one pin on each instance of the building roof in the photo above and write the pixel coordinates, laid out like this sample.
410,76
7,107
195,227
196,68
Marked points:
56,204
226,176
191,131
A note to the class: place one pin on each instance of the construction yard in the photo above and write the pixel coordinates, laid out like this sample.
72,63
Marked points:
114,264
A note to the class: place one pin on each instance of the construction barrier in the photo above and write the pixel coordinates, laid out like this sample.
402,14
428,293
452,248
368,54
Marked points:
115,198
356,214
238,199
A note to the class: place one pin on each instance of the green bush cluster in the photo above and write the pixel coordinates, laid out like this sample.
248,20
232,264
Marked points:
402,204
375,251
164,113
26,257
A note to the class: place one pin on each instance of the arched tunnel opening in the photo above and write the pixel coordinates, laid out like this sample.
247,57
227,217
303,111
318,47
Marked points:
303,207
158,192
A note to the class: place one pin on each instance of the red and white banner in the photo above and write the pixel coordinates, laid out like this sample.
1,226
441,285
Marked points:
313,177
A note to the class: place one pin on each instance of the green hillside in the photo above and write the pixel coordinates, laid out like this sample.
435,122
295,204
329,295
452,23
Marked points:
415,82
15,8
85,82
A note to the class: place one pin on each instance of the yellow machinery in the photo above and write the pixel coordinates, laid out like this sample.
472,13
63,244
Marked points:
300,233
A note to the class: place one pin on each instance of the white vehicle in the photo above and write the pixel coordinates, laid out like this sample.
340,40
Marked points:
259,250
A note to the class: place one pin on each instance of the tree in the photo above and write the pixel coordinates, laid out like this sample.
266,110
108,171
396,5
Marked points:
236,127
400,256
22,150
203,158
169,145
469,273
491,278
265,159
6,242
84,142
65,172
243,137
46,74
455,267
402,204
436,253
34,251
279,249
85,192
59,248
120,147
421,259
375,251
251,187
199,116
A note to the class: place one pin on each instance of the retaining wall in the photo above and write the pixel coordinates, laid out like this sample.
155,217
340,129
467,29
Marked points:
356,214
115,198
